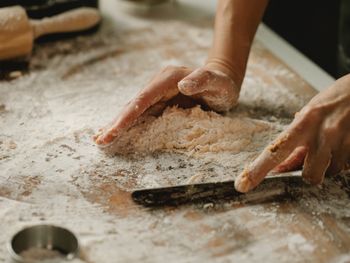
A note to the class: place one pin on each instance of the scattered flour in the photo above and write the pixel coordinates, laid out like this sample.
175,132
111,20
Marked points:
298,243
52,172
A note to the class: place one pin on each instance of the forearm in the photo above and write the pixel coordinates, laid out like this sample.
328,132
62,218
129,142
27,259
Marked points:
235,26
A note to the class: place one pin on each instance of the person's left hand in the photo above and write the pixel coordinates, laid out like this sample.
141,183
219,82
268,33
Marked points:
318,139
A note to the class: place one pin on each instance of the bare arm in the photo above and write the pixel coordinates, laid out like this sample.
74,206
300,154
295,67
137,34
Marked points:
235,25
216,84
219,82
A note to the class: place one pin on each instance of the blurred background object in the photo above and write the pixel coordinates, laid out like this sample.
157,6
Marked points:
344,38
319,29
18,32
36,10
42,8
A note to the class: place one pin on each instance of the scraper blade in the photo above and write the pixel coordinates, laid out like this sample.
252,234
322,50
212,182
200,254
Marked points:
210,192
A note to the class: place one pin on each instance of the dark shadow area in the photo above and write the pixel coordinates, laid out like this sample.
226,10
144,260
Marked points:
310,26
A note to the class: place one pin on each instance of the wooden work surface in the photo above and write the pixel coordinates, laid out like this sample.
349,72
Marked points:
51,171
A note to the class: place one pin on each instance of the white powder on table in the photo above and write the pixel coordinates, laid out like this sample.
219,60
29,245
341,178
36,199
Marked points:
44,181
298,243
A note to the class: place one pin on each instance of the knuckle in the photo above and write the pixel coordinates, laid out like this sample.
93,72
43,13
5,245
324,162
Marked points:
311,113
170,72
308,116
172,68
207,72
204,73
330,131
169,69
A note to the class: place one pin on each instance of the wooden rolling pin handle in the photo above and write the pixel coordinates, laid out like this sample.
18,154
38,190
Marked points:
74,20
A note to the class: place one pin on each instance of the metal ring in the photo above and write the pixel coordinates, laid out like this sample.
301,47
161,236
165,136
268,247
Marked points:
47,237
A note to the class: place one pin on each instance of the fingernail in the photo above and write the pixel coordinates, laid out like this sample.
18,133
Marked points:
186,85
243,183
97,136
98,141
101,139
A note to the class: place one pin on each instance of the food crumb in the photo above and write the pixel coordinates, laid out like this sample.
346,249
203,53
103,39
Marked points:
275,146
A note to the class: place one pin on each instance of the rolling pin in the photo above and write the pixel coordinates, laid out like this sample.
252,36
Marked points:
18,32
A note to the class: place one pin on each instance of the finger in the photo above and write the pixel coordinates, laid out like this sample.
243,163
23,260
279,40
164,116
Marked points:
340,158
293,162
338,162
214,88
219,101
316,162
130,114
126,118
161,88
271,156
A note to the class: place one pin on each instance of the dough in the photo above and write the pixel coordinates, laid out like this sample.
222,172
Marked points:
191,131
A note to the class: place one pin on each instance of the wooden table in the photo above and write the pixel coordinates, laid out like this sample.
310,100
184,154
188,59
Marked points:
51,171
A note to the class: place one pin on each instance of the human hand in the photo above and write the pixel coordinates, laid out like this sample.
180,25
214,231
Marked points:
318,138
212,88
161,88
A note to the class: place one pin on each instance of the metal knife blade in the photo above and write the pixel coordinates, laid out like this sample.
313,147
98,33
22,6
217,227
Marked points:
211,192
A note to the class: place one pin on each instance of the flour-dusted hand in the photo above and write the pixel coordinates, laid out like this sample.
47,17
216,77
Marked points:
213,87
162,88
217,84
318,138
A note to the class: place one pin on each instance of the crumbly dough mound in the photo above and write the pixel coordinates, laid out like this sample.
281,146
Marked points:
190,131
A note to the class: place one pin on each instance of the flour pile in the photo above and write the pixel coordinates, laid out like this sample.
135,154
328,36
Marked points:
192,131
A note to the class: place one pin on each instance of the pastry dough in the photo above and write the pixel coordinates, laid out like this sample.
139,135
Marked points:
191,131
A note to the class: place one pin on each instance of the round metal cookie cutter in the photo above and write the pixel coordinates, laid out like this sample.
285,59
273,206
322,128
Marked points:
52,239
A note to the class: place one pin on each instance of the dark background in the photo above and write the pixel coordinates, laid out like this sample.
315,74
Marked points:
311,26
314,27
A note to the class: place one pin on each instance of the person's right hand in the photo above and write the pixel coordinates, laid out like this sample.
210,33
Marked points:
318,140
174,85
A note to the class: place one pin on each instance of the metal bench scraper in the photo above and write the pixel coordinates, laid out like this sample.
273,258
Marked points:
280,184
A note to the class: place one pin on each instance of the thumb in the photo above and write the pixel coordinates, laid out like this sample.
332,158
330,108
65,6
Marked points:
195,82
